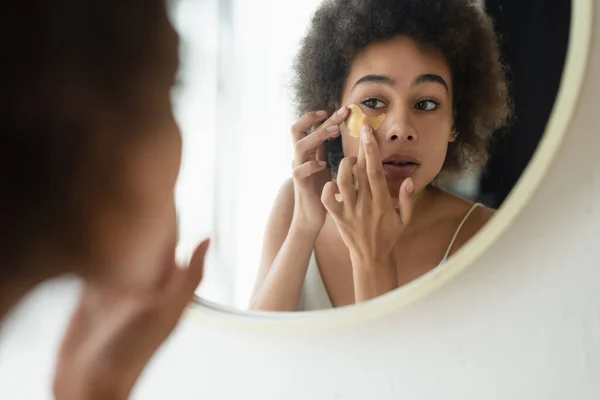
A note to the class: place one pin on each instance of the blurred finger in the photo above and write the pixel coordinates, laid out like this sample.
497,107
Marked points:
192,276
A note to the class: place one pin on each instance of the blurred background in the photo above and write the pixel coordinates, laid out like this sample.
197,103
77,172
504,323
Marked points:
234,108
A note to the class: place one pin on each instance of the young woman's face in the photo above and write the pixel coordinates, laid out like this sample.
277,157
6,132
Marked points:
413,87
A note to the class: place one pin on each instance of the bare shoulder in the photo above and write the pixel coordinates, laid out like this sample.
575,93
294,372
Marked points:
481,215
473,224
473,218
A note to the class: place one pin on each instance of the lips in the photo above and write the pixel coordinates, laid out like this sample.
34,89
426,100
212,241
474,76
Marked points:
400,166
401,158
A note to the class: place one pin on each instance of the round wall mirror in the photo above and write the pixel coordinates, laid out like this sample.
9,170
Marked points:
308,211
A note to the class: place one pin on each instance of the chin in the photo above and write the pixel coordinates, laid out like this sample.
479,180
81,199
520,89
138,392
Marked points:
395,184
394,187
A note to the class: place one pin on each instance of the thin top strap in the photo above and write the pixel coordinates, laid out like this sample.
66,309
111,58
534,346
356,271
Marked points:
473,207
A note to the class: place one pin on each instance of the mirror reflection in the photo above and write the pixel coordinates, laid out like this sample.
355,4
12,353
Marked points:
338,150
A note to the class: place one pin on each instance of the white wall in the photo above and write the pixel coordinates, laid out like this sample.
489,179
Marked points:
268,33
522,323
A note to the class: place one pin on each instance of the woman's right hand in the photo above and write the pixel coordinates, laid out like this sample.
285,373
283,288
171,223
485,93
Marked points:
115,331
310,173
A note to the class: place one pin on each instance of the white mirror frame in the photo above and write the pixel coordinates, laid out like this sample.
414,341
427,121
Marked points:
561,118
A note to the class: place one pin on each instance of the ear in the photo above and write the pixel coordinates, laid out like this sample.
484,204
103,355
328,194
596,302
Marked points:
453,134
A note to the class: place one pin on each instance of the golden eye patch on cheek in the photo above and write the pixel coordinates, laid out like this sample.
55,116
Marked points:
357,119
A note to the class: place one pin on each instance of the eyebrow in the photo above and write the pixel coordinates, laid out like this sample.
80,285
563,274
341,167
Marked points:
431,78
378,79
387,81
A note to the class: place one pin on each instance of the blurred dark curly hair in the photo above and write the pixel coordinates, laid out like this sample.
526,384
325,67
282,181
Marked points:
60,60
458,29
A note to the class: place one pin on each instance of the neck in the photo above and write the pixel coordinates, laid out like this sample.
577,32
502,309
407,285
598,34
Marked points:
424,200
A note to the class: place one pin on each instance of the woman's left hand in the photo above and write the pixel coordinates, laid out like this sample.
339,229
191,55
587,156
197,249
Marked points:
367,217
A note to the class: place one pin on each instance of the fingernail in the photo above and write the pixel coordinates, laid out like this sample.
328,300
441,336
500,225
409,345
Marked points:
333,128
321,113
341,110
365,133
409,185
322,163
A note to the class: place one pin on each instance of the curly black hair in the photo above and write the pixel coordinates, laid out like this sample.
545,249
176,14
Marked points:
56,55
457,29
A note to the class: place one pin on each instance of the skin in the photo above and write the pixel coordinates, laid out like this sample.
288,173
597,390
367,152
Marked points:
134,293
382,235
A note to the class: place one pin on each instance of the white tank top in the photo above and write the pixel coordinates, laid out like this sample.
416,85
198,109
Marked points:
314,293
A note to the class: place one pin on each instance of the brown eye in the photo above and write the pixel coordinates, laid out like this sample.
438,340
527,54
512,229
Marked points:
374,103
426,105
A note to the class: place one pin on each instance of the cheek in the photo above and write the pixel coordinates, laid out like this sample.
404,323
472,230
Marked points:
434,134
140,235
434,162
349,145
437,155
433,141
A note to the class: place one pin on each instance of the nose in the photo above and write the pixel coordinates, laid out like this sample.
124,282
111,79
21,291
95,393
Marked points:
400,127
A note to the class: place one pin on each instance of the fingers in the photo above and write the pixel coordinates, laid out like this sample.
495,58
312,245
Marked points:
345,180
406,201
300,128
306,149
190,278
328,199
307,169
307,146
364,189
336,119
322,153
373,166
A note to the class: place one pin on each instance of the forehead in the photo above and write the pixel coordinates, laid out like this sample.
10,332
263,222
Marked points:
401,58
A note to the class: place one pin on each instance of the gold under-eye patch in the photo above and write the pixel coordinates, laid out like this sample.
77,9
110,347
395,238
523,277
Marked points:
357,119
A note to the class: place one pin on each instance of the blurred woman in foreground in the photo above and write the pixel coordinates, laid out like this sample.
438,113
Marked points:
90,154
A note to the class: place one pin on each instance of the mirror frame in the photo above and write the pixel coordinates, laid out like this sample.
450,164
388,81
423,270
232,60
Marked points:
578,53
